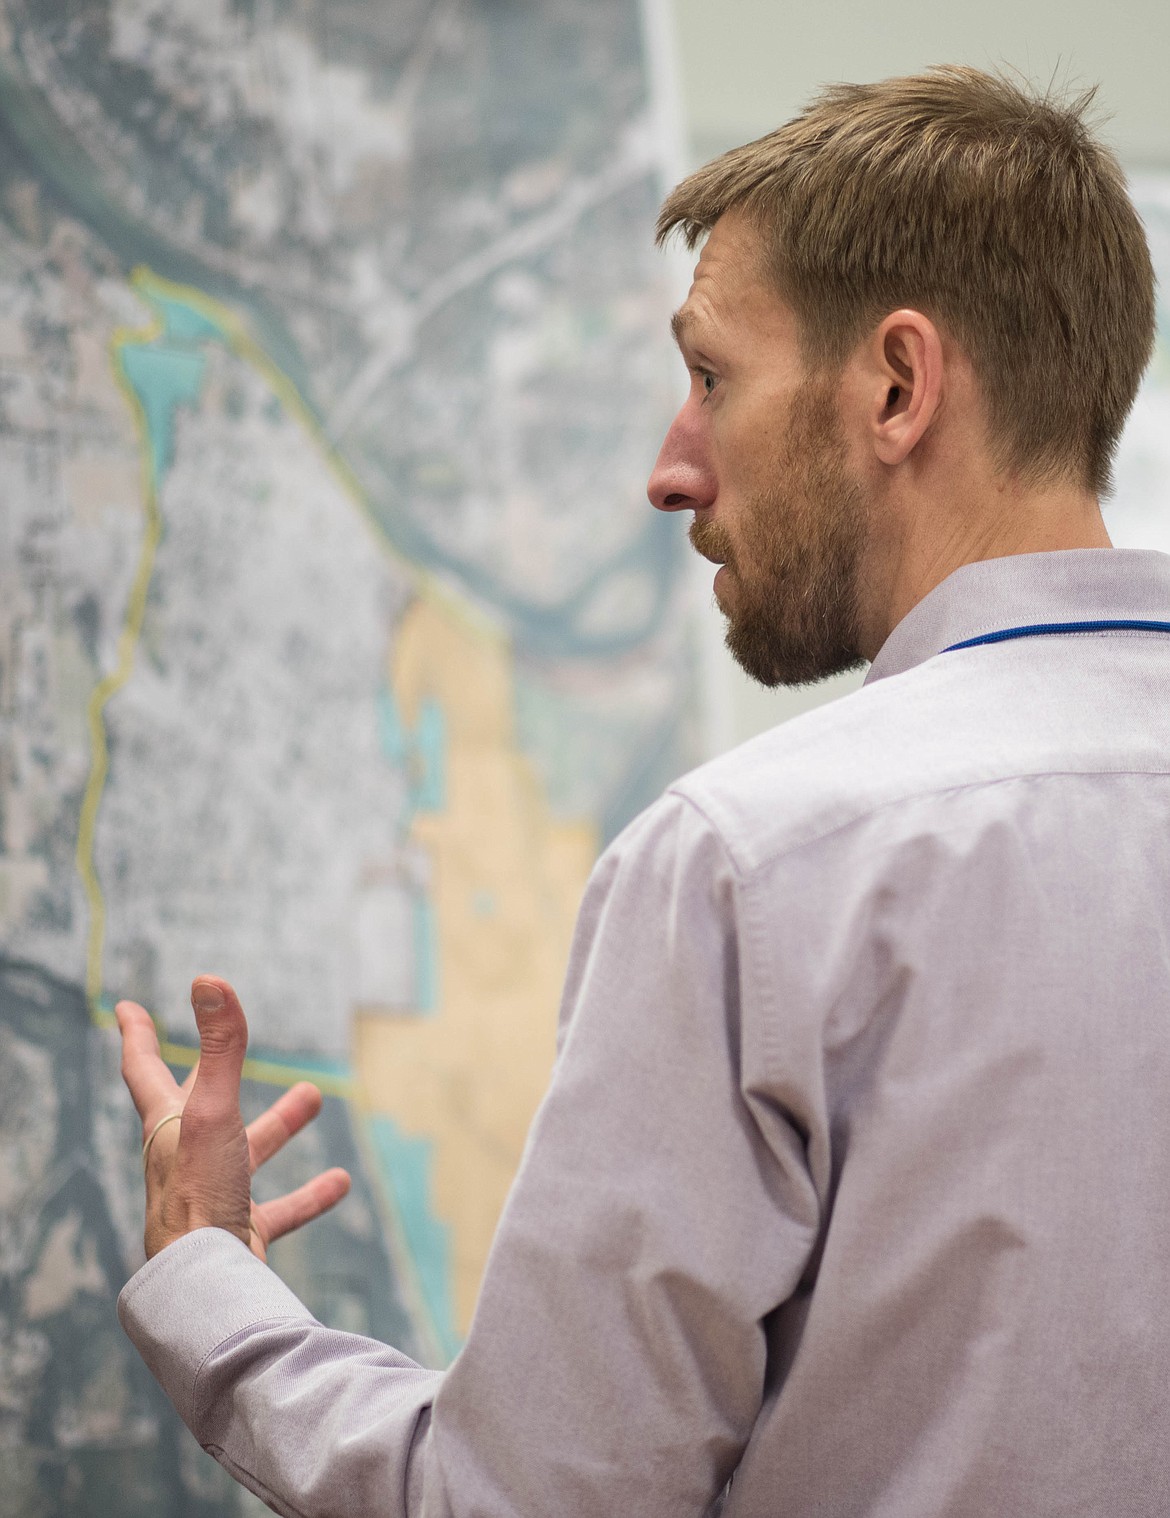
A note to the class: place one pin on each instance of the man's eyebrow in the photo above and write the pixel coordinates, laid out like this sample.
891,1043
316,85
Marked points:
681,323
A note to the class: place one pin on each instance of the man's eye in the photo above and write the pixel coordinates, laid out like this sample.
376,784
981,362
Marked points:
708,380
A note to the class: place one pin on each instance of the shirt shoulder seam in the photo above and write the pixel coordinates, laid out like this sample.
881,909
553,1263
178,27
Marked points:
744,874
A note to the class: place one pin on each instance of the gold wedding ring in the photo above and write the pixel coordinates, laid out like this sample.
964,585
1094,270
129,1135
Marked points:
171,1117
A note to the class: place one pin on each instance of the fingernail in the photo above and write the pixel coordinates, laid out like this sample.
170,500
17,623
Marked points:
205,998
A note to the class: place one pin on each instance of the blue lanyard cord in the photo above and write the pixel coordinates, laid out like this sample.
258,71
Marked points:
1044,629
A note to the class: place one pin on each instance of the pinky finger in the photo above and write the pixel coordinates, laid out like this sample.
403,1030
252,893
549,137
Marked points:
285,1213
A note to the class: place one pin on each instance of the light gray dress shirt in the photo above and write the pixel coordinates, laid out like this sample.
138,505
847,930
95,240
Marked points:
853,1179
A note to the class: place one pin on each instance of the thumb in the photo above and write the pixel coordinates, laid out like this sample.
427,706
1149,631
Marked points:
209,1184
223,1042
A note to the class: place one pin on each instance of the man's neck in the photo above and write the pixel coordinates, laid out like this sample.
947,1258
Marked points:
1008,520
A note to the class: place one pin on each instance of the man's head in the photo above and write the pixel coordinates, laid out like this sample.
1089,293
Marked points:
905,275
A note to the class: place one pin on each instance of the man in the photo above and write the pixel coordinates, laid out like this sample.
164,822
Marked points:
852,1187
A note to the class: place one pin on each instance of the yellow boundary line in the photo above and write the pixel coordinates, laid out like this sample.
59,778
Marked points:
236,336
269,1072
123,668
240,342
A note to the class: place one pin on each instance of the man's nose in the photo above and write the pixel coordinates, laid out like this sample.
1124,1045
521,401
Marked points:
682,478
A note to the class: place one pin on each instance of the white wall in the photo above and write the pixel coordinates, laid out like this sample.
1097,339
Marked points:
745,66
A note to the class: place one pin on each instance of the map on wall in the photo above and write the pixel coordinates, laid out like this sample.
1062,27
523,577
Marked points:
336,634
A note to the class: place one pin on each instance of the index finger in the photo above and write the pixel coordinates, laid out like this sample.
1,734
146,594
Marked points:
151,1084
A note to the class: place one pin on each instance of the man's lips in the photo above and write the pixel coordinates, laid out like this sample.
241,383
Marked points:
710,543
710,555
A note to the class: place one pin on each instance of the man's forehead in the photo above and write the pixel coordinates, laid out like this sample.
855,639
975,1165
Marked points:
729,286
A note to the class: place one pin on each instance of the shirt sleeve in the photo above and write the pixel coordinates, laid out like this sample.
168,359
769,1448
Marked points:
313,1421
616,1361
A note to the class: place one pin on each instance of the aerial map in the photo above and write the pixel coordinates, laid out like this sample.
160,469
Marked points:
336,635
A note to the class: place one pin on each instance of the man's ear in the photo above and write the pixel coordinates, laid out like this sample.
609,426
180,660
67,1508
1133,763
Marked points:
905,359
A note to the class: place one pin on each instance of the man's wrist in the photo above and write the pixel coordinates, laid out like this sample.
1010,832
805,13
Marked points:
198,1290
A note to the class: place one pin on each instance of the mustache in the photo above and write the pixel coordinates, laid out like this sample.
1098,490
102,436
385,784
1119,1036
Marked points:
711,540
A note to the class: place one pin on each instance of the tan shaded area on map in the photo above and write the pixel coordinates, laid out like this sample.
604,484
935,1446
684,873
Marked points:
507,881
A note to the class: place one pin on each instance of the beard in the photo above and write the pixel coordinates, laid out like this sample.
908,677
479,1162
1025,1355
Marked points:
794,562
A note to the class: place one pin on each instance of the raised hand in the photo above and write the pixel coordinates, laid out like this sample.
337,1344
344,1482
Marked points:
199,1169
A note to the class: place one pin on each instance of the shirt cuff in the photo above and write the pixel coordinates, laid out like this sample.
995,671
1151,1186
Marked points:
193,1295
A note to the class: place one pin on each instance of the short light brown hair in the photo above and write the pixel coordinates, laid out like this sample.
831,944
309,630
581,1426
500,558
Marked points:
992,210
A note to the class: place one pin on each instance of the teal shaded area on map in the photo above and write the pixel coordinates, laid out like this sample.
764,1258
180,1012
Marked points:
421,751
184,322
406,1165
166,371
430,745
163,377
426,954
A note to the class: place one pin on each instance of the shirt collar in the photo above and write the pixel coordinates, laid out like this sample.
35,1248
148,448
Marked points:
1072,585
